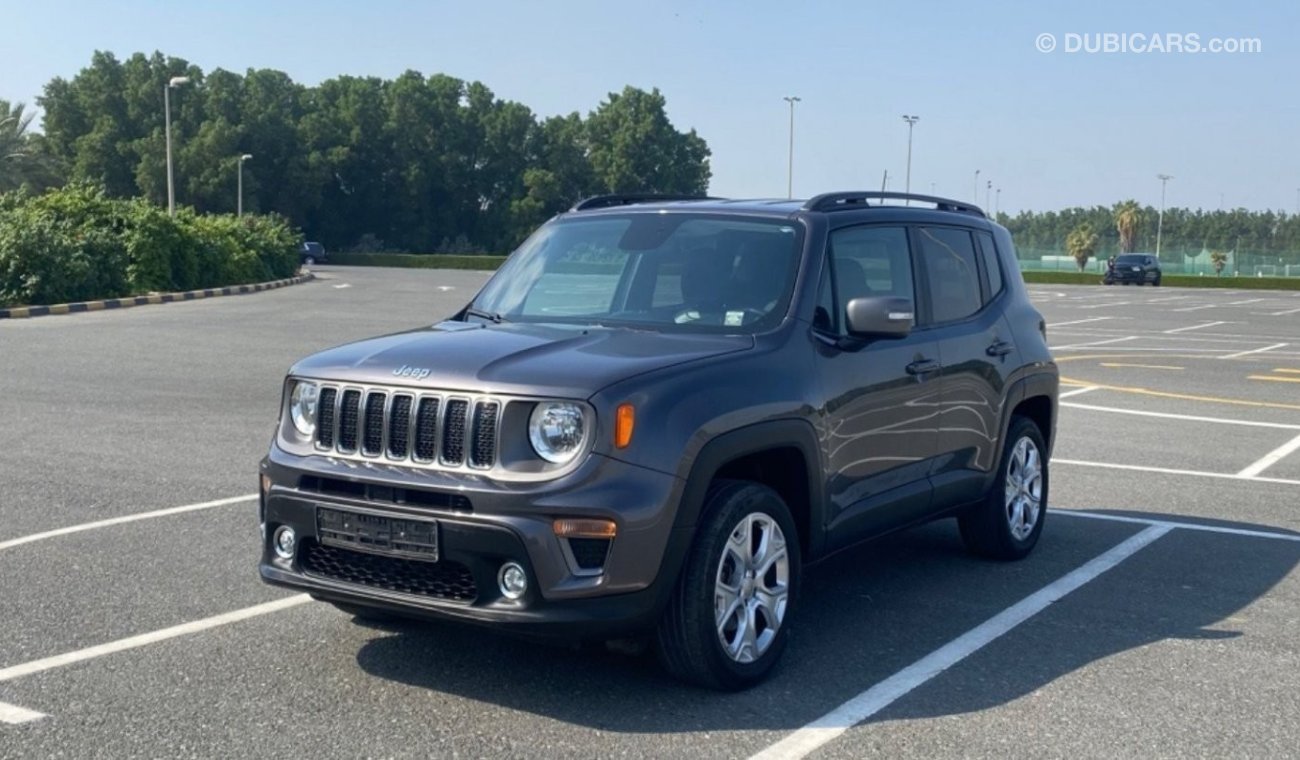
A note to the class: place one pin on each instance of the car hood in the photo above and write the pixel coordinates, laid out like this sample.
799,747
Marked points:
524,359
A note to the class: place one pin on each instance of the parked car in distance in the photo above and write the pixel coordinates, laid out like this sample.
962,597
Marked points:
312,253
1135,269
658,411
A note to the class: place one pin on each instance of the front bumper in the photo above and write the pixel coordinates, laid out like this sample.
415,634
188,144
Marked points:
482,525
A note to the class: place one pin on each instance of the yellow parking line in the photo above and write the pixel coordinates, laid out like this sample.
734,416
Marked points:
1284,369
1274,379
1163,394
1140,366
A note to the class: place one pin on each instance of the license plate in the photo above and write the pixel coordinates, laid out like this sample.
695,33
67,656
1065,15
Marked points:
1137,269
378,534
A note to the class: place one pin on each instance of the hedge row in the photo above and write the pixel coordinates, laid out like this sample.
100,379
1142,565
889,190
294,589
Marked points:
77,244
1170,280
417,260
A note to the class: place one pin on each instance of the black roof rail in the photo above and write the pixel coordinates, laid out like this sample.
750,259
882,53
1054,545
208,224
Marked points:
858,199
628,199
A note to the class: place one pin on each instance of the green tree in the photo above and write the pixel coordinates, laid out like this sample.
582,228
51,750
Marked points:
1218,259
23,160
1082,244
1128,218
634,147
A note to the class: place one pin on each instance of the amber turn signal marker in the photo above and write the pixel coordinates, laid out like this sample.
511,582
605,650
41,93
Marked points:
624,422
266,484
574,528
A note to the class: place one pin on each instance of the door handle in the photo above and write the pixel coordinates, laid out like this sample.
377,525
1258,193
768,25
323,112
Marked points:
1000,348
923,366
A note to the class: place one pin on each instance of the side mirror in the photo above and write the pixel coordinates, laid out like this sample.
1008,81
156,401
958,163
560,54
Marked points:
880,317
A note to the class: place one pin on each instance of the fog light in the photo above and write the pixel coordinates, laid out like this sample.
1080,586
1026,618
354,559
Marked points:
513,580
285,542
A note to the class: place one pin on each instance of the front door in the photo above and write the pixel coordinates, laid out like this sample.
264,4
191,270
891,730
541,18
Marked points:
880,398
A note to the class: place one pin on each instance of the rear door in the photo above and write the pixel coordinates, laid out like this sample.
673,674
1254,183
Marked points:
880,398
976,349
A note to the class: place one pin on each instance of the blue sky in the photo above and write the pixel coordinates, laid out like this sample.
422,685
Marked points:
1051,129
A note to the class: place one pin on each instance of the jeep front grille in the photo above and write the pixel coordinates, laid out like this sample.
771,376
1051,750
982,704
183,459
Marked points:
408,426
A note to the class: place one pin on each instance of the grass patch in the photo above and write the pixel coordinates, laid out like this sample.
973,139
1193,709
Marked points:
1169,280
417,260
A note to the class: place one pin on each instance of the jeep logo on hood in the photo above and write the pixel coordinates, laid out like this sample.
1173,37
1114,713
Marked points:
415,373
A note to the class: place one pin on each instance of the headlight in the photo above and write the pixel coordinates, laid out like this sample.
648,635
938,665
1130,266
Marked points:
302,407
557,430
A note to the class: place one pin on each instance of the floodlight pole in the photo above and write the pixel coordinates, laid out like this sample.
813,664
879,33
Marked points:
907,185
1160,220
789,177
172,83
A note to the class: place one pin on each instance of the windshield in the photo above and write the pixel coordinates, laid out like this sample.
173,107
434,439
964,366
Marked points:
670,272
1133,259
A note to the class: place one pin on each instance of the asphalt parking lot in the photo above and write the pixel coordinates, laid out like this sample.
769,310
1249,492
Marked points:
1158,616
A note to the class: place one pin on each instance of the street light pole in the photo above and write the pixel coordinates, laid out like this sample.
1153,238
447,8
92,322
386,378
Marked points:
239,204
1160,220
172,83
911,122
997,202
988,191
975,197
789,177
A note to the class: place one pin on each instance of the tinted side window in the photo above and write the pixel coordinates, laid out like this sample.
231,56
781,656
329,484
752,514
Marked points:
951,272
824,316
992,265
871,261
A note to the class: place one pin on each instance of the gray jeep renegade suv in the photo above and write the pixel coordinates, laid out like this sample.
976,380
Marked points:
658,411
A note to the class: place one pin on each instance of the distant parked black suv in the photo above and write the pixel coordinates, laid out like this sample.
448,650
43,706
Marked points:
1133,268
658,411
312,253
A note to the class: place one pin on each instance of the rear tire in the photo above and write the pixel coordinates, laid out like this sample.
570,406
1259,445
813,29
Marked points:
729,618
1007,524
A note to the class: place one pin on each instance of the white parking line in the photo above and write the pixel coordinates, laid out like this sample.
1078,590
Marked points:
1169,471
1171,298
1241,303
1078,391
23,715
1271,458
804,740
1284,313
1197,308
13,714
1193,327
1077,321
1172,416
10,543
133,642
1178,524
1095,343
1254,351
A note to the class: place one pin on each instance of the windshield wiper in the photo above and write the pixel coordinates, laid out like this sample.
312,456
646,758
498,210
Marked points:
490,316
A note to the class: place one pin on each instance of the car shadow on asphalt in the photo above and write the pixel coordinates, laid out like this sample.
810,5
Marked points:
867,613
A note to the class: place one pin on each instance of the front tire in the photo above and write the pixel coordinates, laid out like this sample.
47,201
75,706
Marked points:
729,618
1007,524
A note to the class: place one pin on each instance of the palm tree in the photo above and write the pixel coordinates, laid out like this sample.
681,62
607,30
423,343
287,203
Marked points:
1081,244
21,161
1128,215
1219,259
